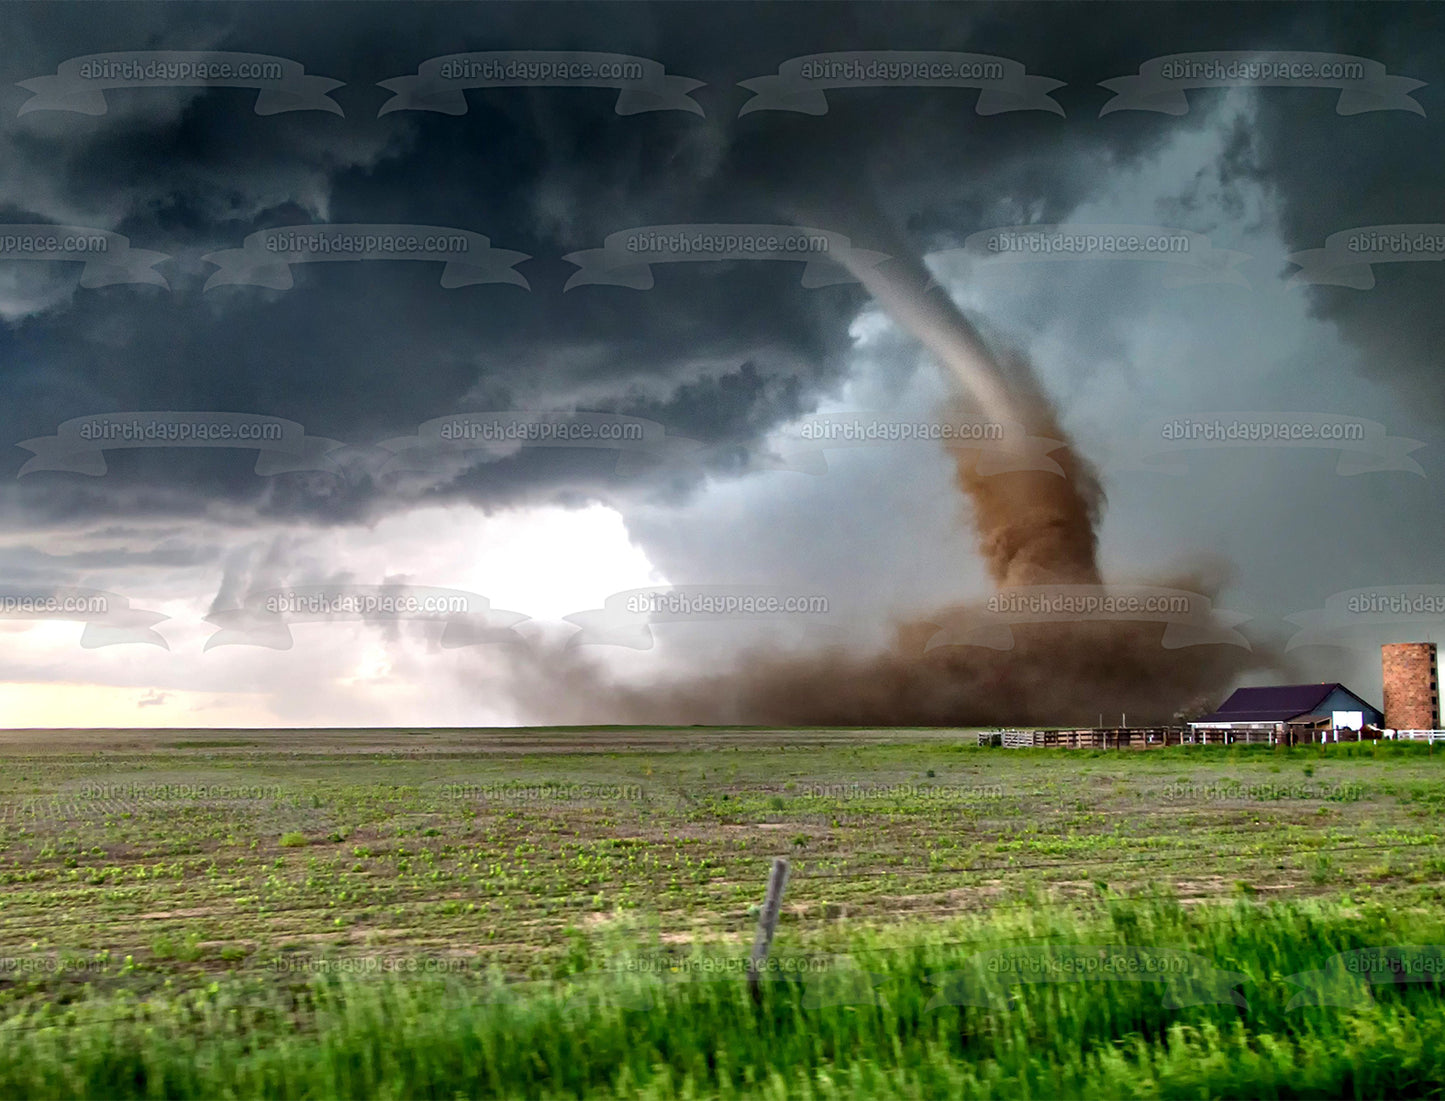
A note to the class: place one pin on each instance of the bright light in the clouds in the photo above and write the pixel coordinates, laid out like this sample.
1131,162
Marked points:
542,562
374,663
548,562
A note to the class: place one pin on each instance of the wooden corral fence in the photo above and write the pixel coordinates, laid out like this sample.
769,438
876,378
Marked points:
1138,737
1156,737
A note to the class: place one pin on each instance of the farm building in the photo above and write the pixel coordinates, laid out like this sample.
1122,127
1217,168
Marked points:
1293,708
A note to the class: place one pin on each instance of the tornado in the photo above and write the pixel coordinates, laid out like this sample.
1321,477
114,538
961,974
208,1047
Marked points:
1033,527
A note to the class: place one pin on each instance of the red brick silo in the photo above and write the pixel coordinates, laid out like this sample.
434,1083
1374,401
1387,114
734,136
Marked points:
1412,690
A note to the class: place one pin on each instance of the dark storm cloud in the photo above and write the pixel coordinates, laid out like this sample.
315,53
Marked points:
718,353
1381,168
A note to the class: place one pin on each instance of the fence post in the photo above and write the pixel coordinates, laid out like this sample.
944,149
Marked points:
767,923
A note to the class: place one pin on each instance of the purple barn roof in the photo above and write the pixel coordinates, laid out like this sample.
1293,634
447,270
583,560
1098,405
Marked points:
1276,704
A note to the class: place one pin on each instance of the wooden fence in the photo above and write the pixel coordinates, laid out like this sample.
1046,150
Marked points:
1156,737
1097,738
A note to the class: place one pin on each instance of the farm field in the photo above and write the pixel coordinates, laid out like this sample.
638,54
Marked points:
247,885
195,854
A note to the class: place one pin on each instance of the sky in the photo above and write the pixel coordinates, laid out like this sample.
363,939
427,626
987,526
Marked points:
721,363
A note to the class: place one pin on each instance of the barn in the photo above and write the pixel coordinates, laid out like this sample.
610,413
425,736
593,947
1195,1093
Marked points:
1299,711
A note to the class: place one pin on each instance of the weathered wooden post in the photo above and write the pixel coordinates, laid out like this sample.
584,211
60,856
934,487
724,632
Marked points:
767,923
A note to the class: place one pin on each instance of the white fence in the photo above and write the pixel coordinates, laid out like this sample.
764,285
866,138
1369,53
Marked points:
1431,736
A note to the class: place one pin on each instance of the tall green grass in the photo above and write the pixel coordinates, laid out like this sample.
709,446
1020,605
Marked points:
577,1035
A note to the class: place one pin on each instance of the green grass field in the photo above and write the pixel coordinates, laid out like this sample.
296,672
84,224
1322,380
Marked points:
464,913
